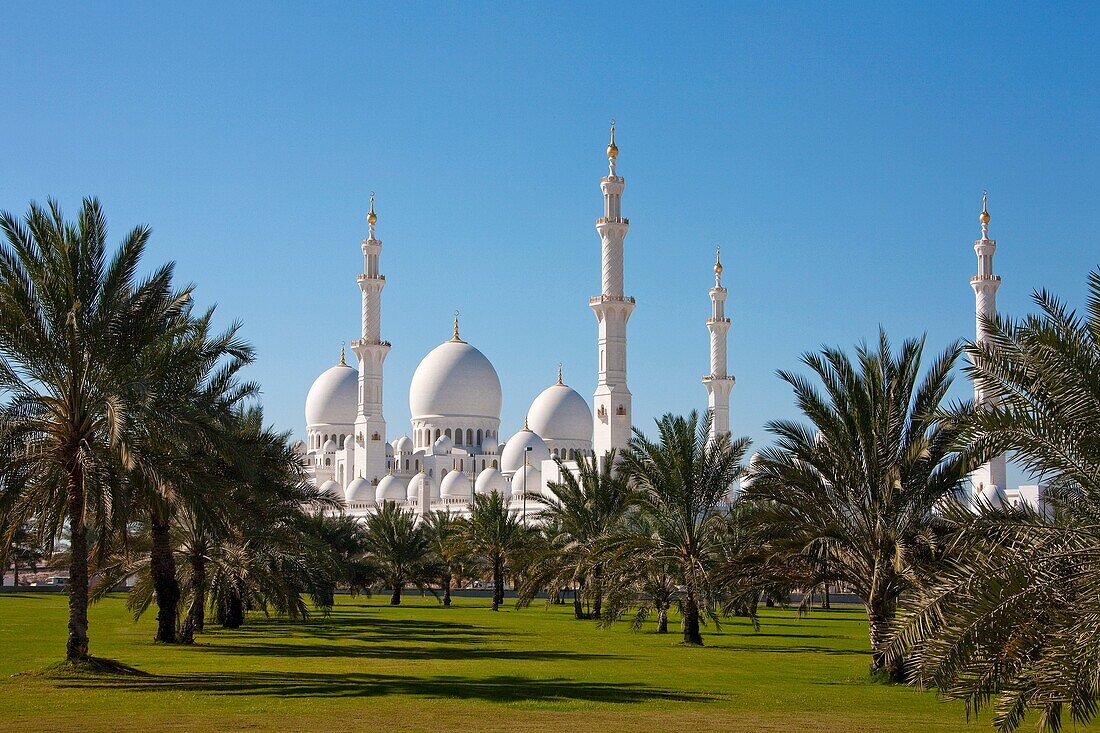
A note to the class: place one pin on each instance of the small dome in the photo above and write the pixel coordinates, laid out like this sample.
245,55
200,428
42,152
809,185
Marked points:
389,450
349,443
992,496
360,490
329,446
454,485
488,444
533,484
560,413
334,397
390,488
442,445
454,380
403,444
333,488
511,458
491,480
416,485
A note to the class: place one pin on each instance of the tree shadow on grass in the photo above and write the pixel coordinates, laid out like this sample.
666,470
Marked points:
391,651
499,689
797,649
342,627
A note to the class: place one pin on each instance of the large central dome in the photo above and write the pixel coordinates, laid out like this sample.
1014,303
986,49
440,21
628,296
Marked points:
455,380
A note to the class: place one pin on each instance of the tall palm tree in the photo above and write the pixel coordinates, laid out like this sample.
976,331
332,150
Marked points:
583,508
446,536
497,536
398,548
77,328
681,482
850,496
1013,620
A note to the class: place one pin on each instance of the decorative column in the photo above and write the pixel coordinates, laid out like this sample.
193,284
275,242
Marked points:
612,423
370,425
718,383
985,284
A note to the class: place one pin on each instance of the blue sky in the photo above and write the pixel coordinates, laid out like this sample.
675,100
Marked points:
837,154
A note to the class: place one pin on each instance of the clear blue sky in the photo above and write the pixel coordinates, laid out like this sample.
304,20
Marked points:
837,154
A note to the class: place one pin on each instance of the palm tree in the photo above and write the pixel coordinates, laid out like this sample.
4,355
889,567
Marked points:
77,329
851,495
581,510
446,536
681,482
398,548
1014,616
26,550
497,536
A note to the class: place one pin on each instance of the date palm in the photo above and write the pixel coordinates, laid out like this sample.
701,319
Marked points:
497,537
447,538
681,481
398,549
77,331
1013,622
850,495
582,509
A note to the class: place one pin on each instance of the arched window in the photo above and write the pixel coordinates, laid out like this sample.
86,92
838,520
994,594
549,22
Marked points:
342,439
494,463
437,433
406,464
458,437
442,473
328,462
417,464
482,464
469,437
479,437
447,432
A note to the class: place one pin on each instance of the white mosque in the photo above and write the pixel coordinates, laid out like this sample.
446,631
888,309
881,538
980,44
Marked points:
454,449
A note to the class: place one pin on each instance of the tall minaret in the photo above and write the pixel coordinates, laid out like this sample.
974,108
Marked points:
370,425
718,383
985,285
611,424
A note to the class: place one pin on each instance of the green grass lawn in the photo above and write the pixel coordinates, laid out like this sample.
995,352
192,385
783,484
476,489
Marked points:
424,667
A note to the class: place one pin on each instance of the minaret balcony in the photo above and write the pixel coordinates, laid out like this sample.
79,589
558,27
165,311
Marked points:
612,220
717,320
597,299
365,277
985,278
362,343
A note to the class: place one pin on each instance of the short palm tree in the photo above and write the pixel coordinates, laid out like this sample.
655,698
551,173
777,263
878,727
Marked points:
497,537
681,483
583,508
851,495
1015,616
77,330
447,538
398,548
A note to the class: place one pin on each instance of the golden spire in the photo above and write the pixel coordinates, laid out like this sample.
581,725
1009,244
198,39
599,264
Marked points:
526,427
455,337
343,362
984,216
559,374
372,218
612,148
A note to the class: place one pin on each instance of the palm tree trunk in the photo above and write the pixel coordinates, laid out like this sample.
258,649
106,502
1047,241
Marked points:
165,584
15,572
395,597
234,613
691,621
662,618
446,590
578,612
76,647
498,582
597,602
196,613
826,602
878,623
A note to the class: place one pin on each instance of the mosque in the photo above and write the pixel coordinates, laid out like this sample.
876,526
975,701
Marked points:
455,449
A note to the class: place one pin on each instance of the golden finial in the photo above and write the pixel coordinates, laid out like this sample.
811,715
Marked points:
455,337
343,362
559,374
718,261
526,427
372,218
612,148
984,218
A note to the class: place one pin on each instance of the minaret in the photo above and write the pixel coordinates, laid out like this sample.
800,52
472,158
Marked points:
370,425
611,428
718,383
985,284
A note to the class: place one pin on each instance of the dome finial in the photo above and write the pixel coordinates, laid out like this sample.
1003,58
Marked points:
718,266
372,218
343,362
559,374
456,337
984,216
526,427
612,148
